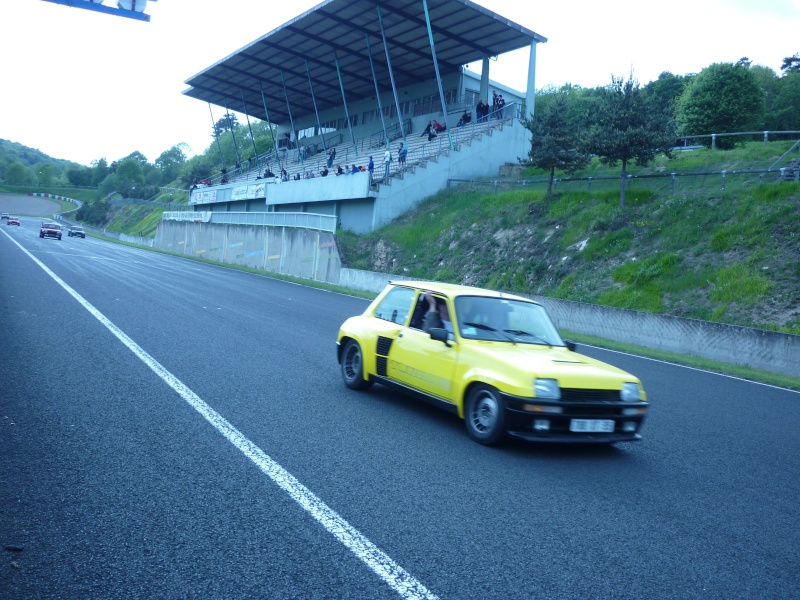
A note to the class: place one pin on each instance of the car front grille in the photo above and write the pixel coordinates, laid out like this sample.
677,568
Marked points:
578,395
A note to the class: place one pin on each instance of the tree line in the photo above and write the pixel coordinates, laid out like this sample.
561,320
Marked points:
625,123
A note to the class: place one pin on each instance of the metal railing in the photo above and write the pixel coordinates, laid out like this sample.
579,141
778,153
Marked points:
314,221
713,181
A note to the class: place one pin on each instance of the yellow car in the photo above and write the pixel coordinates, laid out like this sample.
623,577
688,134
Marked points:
495,360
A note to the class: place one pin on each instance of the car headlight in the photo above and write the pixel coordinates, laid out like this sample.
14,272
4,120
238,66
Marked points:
630,392
547,389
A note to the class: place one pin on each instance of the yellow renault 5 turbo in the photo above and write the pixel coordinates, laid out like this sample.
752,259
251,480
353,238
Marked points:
495,360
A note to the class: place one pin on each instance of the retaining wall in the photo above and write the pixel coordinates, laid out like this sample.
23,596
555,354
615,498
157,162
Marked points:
305,253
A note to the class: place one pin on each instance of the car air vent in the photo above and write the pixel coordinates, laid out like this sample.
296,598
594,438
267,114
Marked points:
384,345
380,365
577,395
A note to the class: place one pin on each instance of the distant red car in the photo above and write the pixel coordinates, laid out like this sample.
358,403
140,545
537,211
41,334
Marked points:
13,221
50,230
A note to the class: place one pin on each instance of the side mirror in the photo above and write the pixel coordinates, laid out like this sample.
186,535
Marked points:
571,345
440,335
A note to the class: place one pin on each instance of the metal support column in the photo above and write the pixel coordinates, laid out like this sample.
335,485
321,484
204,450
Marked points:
291,120
391,77
271,130
344,100
527,111
216,137
378,92
438,77
249,127
233,135
316,112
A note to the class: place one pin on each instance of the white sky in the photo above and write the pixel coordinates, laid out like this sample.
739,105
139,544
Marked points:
81,85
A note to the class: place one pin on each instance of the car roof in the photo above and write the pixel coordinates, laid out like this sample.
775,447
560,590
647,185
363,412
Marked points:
453,289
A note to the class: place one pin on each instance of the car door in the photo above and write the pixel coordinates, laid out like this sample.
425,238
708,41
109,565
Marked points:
422,363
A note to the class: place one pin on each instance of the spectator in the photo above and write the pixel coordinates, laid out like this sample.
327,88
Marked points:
387,161
480,110
438,127
465,118
339,170
331,156
238,168
500,106
284,175
371,169
402,152
324,172
354,169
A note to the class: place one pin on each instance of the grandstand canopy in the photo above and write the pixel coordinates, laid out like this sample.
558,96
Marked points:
463,32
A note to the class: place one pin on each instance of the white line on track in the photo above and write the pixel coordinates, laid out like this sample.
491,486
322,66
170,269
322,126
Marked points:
380,563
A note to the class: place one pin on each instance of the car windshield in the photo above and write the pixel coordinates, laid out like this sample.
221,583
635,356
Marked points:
77,229
505,320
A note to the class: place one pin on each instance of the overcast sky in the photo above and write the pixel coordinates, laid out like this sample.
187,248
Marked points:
81,85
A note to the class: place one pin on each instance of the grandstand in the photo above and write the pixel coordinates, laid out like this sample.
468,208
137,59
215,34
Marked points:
358,77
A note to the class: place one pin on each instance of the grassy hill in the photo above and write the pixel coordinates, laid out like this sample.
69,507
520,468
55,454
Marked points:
689,249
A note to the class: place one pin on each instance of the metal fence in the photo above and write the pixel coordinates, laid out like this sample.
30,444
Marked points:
707,181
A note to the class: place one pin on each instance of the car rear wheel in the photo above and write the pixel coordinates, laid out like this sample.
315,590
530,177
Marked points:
485,415
353,367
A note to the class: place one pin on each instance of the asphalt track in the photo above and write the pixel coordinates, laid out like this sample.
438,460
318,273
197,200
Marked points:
172,429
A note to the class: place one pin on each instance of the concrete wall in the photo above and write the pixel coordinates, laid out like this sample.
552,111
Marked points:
305,253
481,158
766,350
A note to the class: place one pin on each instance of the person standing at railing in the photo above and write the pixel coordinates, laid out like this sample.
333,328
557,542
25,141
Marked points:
500,106
387,161
402,152
331,156
370,168
481,111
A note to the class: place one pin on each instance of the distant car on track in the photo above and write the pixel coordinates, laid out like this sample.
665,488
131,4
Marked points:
50,230
12,221
76,231
4,216
494,359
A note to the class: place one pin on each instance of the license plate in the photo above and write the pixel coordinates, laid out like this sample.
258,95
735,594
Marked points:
591,426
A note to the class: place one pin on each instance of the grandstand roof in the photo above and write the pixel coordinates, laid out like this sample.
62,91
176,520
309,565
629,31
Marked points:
463,32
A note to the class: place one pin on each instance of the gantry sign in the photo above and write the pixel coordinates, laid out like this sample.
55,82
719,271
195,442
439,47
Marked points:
132,9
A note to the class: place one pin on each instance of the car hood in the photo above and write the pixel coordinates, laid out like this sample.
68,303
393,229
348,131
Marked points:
571,369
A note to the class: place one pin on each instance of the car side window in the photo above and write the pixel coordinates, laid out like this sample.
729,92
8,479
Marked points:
396,306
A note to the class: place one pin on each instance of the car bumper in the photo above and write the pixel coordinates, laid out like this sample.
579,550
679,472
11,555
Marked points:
537,420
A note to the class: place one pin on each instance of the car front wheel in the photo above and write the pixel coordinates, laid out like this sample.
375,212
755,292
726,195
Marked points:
353,367
485,415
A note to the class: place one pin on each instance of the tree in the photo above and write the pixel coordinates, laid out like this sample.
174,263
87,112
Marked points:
129,175
786,108
723,98
170,162
627,128
555,142
16,173
79,176
99,171
225,124
44,171
791,64
665,91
